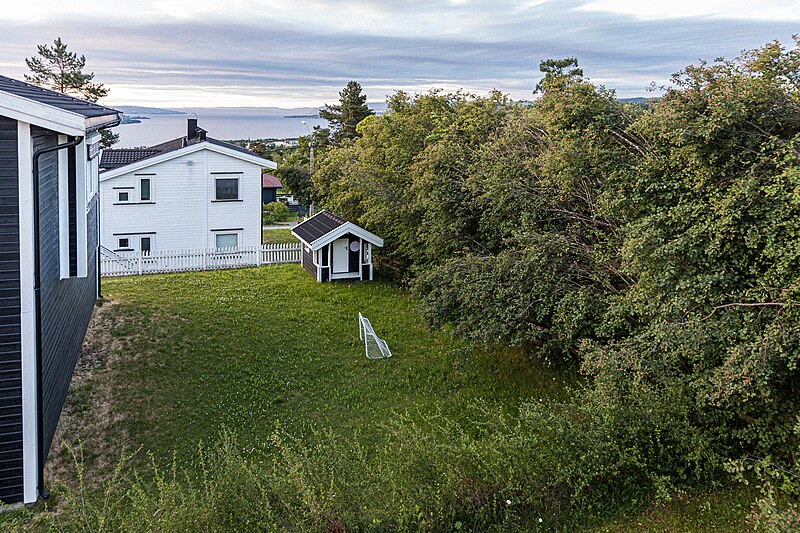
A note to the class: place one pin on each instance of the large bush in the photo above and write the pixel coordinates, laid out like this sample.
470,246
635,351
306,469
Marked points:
658,247
275,212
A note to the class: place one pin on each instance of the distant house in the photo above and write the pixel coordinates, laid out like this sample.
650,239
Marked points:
190,192
48,280
269,188
334,248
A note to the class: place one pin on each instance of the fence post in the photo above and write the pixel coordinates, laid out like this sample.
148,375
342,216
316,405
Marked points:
140,262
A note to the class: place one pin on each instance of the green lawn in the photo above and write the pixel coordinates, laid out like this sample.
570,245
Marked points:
252,349
270,236
274,358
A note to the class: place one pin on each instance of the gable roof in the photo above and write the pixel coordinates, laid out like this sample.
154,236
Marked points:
119,157
268,181
53,108
325,227
137,158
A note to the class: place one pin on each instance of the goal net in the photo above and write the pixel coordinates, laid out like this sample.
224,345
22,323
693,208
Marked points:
375,347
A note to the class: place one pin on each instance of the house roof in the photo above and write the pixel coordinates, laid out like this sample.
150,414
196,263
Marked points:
119,157
69,111
268,181
325,227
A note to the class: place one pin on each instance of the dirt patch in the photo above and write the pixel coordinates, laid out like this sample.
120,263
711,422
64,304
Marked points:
89,411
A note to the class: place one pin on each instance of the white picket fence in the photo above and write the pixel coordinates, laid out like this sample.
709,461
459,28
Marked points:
135,263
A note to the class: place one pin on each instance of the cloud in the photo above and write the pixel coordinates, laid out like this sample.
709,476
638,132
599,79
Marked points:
266,53
782,10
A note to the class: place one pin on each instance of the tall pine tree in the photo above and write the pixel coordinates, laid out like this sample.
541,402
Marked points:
351,110
56,68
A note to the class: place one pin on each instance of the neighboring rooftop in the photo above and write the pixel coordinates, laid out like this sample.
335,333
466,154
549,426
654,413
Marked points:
120,157
55,99
268,181
318,226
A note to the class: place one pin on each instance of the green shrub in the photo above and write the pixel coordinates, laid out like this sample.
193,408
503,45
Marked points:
275,212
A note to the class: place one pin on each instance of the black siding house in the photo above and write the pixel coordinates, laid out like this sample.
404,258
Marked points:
48,267
334,248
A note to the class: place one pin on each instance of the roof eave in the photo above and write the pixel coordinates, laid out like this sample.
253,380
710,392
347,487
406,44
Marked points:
102,121
344,229
42,115
166,156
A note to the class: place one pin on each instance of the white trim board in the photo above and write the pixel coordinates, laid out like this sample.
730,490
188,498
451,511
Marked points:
192,148
344,229
30,444
43,115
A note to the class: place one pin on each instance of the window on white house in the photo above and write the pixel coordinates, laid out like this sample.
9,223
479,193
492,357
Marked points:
123,196
226,189
144,245
124,243
226,240
144,190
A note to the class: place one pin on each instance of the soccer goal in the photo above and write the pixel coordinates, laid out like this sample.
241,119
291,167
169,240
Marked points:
375,347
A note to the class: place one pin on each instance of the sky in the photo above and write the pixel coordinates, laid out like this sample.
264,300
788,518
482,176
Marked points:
262,53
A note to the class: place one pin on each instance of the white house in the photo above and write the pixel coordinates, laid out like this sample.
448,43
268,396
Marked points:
191,192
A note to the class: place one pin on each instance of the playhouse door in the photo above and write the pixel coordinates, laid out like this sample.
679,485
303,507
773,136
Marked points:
341,256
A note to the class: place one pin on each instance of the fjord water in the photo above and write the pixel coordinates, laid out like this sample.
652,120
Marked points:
219,125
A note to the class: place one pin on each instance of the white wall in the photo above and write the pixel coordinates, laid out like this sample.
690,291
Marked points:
183,212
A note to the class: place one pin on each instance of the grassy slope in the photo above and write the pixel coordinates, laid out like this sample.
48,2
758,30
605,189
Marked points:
255,349
251,349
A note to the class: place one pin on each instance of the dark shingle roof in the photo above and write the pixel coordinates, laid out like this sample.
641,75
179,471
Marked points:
119,157
123,156
52,98
317,226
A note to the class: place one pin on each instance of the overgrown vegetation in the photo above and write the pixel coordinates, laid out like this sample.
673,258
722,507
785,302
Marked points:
656,247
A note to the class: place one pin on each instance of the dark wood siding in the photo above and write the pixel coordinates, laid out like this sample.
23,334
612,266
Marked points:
353,257
308,262
11,489
66,304
365,273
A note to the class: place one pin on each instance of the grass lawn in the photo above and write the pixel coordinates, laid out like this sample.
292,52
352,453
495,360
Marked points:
271,236
253,349
172,360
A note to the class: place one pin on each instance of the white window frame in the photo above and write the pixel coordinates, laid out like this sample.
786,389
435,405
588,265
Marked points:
118,192
120,247
236,177
217,233
139,179
152,238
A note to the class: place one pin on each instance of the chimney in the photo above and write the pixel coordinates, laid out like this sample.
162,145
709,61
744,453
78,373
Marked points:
191,131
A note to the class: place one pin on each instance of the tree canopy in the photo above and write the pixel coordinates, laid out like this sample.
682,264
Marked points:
345,116
56,68
653,247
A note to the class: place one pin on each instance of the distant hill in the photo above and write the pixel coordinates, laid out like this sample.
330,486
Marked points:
636,100
139,110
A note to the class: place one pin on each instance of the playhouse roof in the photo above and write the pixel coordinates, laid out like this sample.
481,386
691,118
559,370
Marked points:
325,227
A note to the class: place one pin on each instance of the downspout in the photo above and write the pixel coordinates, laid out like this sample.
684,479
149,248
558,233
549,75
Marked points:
37,289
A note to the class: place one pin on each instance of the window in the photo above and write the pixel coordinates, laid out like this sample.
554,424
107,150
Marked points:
123,196
124,243
226,240
227,189
144,245
144,189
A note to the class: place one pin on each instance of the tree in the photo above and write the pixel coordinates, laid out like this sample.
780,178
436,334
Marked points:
297,180
566,68
351,110
56,68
